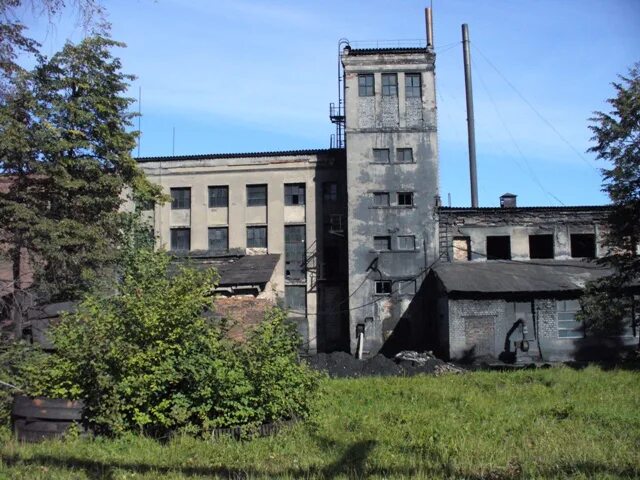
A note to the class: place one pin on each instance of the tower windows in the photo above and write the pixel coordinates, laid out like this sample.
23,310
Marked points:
294,193
366,85
389,84
405,199
412,85
380,199
404,155
381,155
181,198
256,195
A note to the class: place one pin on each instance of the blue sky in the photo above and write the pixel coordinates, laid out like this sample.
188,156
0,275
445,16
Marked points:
242,76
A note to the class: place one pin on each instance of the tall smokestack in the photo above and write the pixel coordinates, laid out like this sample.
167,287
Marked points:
473,174
428,19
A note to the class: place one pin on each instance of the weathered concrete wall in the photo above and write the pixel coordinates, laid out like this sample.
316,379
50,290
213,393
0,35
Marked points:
519,223
389,122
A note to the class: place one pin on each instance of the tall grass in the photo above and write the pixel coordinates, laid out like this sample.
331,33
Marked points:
555,423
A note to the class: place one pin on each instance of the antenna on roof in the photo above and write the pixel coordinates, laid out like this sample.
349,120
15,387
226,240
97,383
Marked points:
139,118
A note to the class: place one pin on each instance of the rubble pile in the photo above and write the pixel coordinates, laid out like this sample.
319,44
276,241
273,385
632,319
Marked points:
405,363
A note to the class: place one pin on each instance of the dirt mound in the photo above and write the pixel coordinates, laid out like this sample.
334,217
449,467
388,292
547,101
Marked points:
343,365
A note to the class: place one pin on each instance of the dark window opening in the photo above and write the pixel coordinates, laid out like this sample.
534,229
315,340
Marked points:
404,155
405,199
583,245
218,197
499,247
383,287
381,199
366,85
381,155
382,243
256,237
256,195
181,198
331,263
294,252
412,85
219,239
389,85
180,239
330,192
294,194
540,246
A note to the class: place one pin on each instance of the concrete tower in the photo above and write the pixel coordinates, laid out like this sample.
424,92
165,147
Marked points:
392,188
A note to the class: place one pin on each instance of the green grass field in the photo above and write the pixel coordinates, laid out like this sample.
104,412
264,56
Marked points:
554,423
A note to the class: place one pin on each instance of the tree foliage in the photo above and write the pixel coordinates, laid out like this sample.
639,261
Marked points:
607,302
152,358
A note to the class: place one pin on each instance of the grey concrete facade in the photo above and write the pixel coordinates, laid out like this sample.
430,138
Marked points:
380,122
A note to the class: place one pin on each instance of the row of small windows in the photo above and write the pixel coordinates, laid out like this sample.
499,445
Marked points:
403,287
218,238
294,194
402,242
412,85
570,327
382,199
383,155
583,245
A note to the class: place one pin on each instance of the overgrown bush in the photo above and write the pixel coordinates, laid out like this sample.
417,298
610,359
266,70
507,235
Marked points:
151,358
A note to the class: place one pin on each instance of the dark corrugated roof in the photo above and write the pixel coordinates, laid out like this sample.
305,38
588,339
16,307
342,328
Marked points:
211,156
506,276
248,270
507,210
397,50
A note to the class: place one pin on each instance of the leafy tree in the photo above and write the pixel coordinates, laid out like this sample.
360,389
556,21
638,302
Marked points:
617,135
65,147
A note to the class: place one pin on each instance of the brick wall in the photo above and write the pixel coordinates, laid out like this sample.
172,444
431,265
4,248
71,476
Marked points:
244,312
491,311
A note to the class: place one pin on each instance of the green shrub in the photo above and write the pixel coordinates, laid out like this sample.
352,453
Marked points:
149,357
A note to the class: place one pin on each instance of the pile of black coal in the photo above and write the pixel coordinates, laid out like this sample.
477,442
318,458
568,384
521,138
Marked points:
406,363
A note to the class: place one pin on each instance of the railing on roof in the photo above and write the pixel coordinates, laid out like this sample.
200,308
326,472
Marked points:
411,43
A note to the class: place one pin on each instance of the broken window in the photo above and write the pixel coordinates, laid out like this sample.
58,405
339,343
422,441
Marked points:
540,246
383,287
218,197
406,242
256,237
499,247
568,326
381,199
180,239
295,299
294,193
462,248
329,192
256,195
219,239
294,252
381,155
389,84
181,198
412,85
382,242
404,155
366,85
405,199
583,245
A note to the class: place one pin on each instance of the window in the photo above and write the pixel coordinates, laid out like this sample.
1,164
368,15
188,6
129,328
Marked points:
404,155
256,195
382,243
583,245
219,239
218,197
381,155
366,85
295,299
499,247
180,239
294,252
329,192
381,199
568,326
389,85
540,246
256,237
294,193
181,198
407,287
406,242
412,85
405,199
462,248
383,287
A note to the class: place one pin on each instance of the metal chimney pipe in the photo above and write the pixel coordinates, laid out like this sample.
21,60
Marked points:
428,18
473,174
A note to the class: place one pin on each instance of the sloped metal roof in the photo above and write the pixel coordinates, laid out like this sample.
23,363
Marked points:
248,270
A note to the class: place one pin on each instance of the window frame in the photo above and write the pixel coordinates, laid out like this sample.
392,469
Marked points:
389,88
409,86
379,287
179,203
382,238
252,199
403,204
329,192
401,155
174,240
377,152
226,247
399,243
299,196
366,85
213,188
379,195
254,228
578,327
